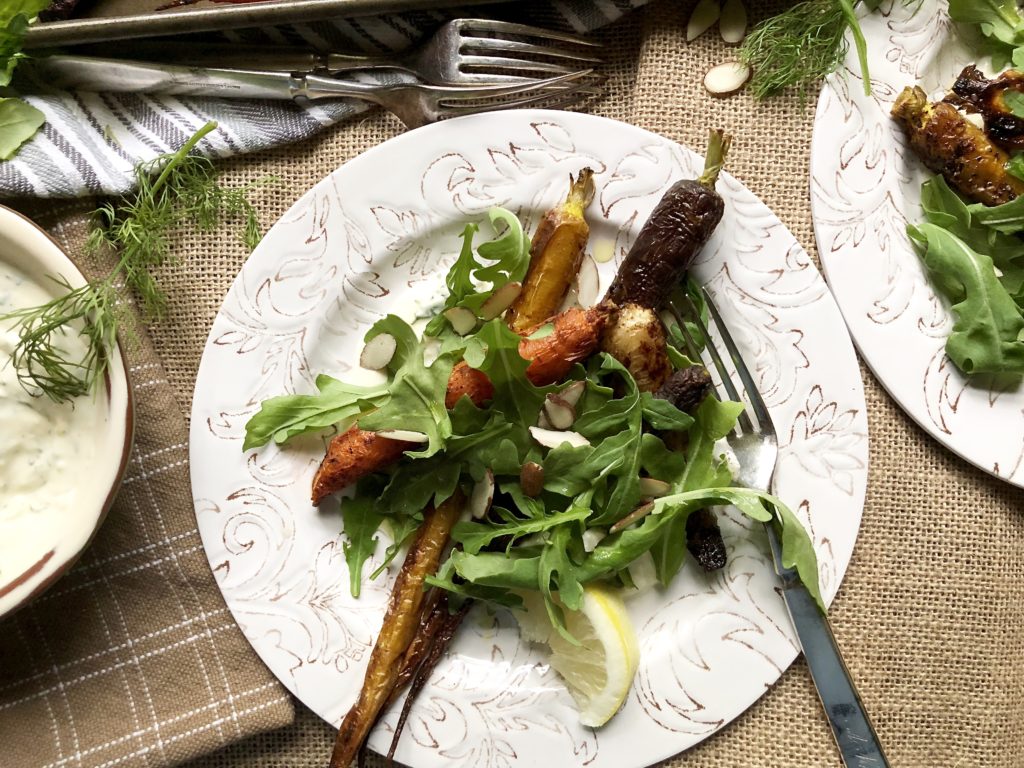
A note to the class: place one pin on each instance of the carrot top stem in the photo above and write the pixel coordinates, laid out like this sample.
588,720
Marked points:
718,148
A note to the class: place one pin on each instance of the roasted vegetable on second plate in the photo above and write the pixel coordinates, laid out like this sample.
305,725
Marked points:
950,144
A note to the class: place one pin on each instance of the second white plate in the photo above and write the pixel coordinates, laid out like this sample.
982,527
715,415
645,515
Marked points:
866,187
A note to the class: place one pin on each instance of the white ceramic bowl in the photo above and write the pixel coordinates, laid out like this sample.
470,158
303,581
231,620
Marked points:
98,463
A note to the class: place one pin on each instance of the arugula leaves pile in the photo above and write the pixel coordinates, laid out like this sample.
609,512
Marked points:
1001,24
19,120
526,543
975,259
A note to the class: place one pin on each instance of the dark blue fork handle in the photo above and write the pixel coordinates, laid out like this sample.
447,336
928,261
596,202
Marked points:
858,743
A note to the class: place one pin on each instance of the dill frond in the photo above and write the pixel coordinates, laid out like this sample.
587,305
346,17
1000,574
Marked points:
173,190
796,48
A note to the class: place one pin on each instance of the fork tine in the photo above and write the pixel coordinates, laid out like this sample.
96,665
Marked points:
498,45
463,93
508,28
504,62
553,99
753,393
716,359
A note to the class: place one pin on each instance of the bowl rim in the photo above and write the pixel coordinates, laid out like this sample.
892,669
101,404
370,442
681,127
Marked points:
115,486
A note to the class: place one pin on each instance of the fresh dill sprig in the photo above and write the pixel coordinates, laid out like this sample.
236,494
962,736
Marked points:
802,45
173,189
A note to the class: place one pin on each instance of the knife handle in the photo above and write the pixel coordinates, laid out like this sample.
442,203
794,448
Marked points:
855,736
239,56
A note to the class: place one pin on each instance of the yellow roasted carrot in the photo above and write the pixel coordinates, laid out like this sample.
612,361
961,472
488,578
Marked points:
555,256
402,621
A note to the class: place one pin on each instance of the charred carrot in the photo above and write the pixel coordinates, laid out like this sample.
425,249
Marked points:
352,455
402,621
555,255
576,335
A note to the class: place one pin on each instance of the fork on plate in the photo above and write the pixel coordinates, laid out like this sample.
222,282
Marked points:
460,52
756,447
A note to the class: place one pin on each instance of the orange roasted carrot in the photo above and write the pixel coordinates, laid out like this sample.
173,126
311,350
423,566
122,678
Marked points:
576,336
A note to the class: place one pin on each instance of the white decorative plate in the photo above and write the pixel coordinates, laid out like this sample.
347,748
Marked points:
376,236
865,187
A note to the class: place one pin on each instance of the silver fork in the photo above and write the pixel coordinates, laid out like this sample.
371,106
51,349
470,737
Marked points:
415,104
756,447
461,52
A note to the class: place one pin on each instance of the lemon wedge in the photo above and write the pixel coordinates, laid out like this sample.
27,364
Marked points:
599,672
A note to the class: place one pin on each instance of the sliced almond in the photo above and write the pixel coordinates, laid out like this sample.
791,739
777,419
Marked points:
405,435
463,320
378,351
705,13
733,24
652,488
592,537
550,438
560,414
482,496
500,300
573,392
588,282
531,479
643,572
542,420
727,78
640,512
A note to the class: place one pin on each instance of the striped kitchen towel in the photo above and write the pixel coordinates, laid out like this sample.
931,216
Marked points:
92,141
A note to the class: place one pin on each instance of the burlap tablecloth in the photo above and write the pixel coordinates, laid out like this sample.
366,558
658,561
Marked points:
930,614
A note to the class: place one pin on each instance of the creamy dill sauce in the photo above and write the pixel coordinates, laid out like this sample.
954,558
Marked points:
46,457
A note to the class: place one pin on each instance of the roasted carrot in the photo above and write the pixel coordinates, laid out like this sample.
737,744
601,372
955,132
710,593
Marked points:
948,143
555,255
402,621
576,335
636,338
470,382
352,455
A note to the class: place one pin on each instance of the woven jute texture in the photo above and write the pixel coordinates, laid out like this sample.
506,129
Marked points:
930,613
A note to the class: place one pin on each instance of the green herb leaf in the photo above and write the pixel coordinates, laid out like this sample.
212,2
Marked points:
988,333
498,356
174,190
703,469
417,390
661,414
475,536
1014,101
361,520
796,48
998,20
19,122
15,16
337,403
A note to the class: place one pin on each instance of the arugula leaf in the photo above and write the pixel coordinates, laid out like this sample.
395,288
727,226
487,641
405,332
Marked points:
444,579
510,257
1015,165
558,580
986,230
15,16
414,485
19,122
475,536
510,252
1014,101
988,333
659,461
417,390
402,528
361,520
661,414
522,568
714,420
497,355
1000,23
280,418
